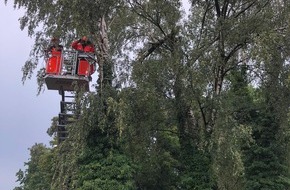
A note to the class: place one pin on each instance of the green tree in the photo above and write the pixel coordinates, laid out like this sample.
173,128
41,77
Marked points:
39,171
71,20
197,103
266,159
227,36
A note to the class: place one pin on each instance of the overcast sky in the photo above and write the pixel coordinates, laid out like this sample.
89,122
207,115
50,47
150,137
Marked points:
24,116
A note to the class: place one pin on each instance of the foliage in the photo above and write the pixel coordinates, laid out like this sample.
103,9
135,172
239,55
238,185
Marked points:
181,103
38,174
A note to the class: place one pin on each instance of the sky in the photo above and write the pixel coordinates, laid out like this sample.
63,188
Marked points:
24,116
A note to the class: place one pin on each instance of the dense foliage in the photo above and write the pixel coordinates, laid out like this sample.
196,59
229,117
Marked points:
184,100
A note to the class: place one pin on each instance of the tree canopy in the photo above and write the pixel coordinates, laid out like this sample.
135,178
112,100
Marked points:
184,100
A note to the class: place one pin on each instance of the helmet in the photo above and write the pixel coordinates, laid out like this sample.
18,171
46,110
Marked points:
54,39
85,38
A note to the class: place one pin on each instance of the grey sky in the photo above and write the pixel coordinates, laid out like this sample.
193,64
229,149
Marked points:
24,117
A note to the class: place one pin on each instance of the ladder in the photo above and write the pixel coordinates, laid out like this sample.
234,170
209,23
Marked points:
66,116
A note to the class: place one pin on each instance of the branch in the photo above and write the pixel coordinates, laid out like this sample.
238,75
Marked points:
153,47
225,8
147,16
245,9
203,22
217,7
202,113
234,50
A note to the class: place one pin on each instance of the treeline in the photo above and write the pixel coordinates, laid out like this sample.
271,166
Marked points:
184,100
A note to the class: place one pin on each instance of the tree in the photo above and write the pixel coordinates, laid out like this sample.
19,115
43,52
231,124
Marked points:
70,20
39,172
197,103
266,160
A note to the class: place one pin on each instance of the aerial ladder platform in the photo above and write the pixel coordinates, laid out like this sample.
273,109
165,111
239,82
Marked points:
65,72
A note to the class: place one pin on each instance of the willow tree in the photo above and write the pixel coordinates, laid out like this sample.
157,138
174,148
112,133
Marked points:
160,125
70,20
268,156
227,38
188,115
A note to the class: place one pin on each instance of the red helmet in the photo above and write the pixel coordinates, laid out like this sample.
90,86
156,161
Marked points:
85,38
54,39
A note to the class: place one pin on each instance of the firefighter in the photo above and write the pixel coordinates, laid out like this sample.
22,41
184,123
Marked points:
54,45
83,45
54,51
86,62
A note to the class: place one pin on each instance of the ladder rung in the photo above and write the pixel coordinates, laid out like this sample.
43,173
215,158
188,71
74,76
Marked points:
62,133
61,127
66,115
61,139
69,96
64,102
